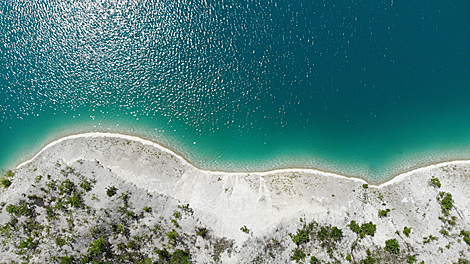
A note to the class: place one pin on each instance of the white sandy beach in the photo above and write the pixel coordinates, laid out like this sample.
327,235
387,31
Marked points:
263,201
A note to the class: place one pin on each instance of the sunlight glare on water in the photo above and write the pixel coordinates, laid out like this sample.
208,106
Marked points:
362,89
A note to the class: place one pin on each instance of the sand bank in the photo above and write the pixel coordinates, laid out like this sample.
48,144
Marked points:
391,181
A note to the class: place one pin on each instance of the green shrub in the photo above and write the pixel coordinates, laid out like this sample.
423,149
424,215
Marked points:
429,239
163,254
66,260
365,186
364,229
38,179
355,227
446,201
315,260
392,246
110,191
75,200
466,236
97,247
180,257
22,209
435,182
348,257
301,237
147,209
444,232
201,231
336,233
384,213
411,259
369,228
406,231
121,229
177,214
10,173
133,245
86,185
60,242
66,186
172,236
5,182
52,185
125,198
298,255
324,233
244,229
29,243
130,214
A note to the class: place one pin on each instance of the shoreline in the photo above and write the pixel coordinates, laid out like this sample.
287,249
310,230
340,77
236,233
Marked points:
270,203
395,179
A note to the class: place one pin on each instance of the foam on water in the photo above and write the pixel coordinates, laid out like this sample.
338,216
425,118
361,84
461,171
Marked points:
362,89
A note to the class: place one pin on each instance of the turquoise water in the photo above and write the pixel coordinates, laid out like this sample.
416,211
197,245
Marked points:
362,89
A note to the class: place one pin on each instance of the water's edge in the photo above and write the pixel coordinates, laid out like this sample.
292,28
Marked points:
397,178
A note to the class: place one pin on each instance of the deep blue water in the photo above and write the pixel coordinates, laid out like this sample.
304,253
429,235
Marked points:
352,87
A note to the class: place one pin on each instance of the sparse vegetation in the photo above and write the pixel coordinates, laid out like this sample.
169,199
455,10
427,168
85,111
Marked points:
58,214
446,202
428,239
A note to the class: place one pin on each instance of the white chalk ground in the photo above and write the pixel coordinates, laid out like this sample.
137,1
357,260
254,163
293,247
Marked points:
264,202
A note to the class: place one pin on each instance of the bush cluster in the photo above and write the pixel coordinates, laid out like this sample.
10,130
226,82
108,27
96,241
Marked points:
364,229
446,201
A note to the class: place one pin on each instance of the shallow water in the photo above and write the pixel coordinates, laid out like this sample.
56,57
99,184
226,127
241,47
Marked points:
362,89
